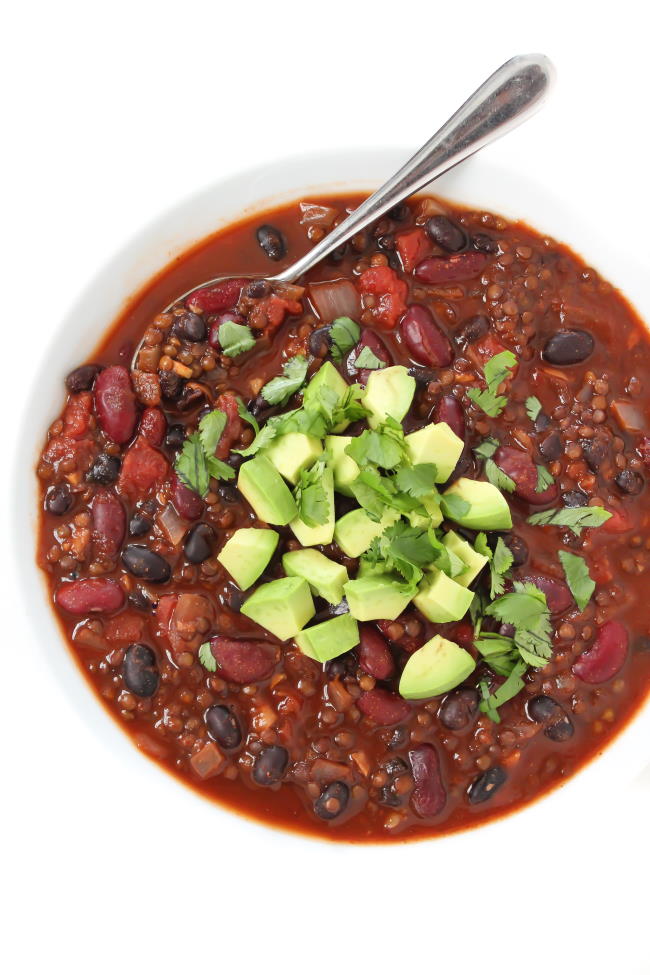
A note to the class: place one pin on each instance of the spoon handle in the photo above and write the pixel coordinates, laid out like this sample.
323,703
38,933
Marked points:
509,96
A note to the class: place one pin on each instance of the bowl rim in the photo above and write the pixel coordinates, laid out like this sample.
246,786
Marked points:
620,761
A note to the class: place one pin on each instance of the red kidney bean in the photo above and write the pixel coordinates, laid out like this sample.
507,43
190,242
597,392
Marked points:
429,795
459,267
448,410
109,523
187,503
217,297
374,653
383,707
518,465
558,595
424,338
606,656
153,425
243,661
115,403
85,596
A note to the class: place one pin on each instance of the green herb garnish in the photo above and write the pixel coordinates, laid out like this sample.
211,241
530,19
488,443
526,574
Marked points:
235,339
574,518
498,477
544,479
487,448
577,576
368,360
196,463
311,497
510,688
344,335
418,480
206,657
246,415
384,447
533,407
278,391
497,370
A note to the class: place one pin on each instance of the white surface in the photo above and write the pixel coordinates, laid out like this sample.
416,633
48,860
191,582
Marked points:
116,116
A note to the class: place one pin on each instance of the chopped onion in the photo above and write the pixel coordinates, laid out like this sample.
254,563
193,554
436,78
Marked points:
429,207
334,299
170,524
628,416
319,216
88,638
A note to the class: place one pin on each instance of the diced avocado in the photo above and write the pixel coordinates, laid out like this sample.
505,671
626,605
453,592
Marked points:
292,453
435,444
327,376
247,553
344,468
319,534
266,492
354,532
432,508
473,560
434,669
376,597
282,607
488,509
441,599
325,577
389,392
329,639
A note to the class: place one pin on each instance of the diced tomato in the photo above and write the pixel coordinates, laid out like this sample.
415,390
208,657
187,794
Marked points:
143,468
601,570
64,448
269,313
643,450
412,247
76,417
165,608
391,291
232,430
619,522
125,628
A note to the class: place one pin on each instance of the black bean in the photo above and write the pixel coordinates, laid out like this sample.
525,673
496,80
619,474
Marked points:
81,378
542,422
142,563
272,242
569,346
223,726
171,384
386,242
191,397
388,797
337,254
395,766
595,451
191,327
326,611
485,244
519,549
59,499
139,525
197,544
459,708
641,644
422,376
320,341
629,481
542,708
551,446
560,730
446,234
343,666
258,289
234,598
575,499
399,737
472,329
139,600
332,800
399,212
104,469
486,785
140,670
270,765
228,492
175,436
507,629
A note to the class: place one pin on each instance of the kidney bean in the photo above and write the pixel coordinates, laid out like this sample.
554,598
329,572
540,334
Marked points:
187,503
424,338
374,653
484,787
446,234
81,378
606,656
558,595
153,425
460,267
140,670
332,800
519,549
105,469
568,347
472,330
59,499
270,765
144,563
85,596
223,726
243,661
272,241
216,297
429,795
459,708
115,403
109,523
197,544
519,465
448,410
383,707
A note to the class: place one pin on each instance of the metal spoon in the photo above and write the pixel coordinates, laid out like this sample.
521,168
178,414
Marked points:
508,97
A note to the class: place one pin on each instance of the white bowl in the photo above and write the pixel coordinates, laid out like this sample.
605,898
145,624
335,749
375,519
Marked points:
475,183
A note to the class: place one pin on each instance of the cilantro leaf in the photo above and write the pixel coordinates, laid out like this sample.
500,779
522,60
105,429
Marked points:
279,390
368,360
211,427
384,447
246,415
500,561
418,480
533,407
192,467
487,448
497,370
404,549
527,611
235,339
311,497
206,657
544,479
219,469
344,335
574,518
577,576
498,477
509,689
453,506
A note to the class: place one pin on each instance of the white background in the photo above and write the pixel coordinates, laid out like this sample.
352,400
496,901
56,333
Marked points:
110,113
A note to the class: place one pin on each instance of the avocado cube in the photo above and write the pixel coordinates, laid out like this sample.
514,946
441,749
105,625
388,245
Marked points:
355,531
325,577
329,639
376,597
441,599
292,453
389,392
266,492
488,509
282,607
472,559
318,534
345,470
435,444
433,509
437,667
330,378
247,553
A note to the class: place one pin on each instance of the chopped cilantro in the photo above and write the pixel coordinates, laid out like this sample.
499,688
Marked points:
497,370
418,480
500,561
211,427
192,467
487,448
510,688
384,447
498,477
404,549
310,495
206,657
344,335
577,576
246,415
574,518
544,479
527,611
453,506
368,360
235,339
279,390
533,407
